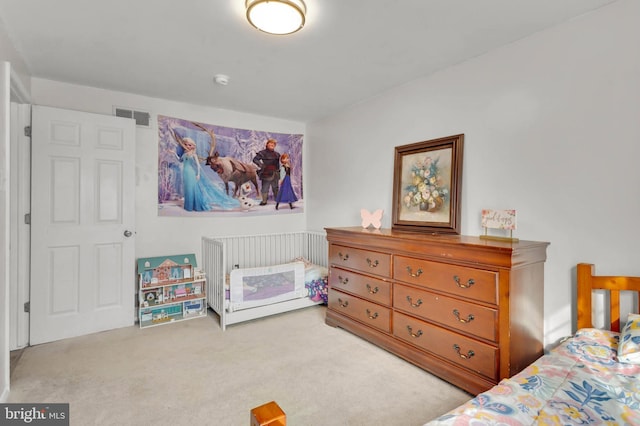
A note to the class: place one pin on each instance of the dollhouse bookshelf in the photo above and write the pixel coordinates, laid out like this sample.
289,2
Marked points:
170,289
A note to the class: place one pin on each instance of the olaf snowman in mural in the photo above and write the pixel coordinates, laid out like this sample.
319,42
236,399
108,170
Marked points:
246,202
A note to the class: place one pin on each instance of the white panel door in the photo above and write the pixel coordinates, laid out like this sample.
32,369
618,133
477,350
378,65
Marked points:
82,223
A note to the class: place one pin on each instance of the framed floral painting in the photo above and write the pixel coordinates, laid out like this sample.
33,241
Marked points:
427,181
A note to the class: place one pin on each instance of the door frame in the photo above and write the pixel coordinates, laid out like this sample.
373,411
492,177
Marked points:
20,205
21,195
11,90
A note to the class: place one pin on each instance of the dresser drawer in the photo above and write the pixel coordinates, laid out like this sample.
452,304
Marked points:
468,353
370,288
453,313
369,262
466,282
369,313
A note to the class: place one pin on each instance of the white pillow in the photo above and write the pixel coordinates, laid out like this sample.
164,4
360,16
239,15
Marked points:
629,344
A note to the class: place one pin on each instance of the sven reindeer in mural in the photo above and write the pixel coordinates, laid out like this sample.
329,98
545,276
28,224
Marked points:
229,169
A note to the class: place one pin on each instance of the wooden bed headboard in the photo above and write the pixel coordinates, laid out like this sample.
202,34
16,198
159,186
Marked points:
588,281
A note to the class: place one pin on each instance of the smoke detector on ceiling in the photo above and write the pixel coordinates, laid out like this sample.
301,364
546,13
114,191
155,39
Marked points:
221,79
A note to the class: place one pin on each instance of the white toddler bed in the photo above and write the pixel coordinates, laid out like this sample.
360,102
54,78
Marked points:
252,276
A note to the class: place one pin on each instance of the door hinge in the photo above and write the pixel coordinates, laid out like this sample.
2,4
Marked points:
27,131
27,306
27,219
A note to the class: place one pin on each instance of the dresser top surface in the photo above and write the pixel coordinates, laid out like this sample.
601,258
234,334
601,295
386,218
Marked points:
433,238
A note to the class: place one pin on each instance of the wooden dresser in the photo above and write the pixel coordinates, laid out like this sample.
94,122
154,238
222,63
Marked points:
465,309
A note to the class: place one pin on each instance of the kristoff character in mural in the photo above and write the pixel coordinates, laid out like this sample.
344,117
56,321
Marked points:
268,162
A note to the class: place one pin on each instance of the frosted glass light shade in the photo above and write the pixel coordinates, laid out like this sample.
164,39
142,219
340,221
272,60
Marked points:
276,16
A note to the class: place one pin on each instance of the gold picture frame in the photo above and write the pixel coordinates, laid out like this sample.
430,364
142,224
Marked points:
427,185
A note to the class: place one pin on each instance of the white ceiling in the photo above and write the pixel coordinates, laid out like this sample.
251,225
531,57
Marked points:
349,50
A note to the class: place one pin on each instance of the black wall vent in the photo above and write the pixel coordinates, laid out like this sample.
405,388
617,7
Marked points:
142,118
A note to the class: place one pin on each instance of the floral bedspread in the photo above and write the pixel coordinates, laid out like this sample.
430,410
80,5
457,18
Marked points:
578,383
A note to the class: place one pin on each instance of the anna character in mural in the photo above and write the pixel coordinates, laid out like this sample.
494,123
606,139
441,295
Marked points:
286,193
200,194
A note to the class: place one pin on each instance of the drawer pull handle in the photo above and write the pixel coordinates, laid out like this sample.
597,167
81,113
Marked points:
463,356
343,257
374,316
417,274
374,291
343,281
372,264
469,283
412,334
456,314
343,304
414,305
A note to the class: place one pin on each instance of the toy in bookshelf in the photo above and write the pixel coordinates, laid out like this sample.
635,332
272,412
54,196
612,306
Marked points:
152,296
181,291
198,274
176,273
194,308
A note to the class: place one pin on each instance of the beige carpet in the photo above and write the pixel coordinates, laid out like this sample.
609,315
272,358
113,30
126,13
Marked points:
192,373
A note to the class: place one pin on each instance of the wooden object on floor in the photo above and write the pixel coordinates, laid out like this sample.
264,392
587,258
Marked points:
465,309
269,414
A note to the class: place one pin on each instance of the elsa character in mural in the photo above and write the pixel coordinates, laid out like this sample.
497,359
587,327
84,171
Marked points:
200,194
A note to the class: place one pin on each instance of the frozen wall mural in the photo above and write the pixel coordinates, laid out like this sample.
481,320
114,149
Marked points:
204,169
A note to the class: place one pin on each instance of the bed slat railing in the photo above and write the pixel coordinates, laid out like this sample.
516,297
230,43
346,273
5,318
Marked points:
213,257
223,254
249,251
316,248
614,285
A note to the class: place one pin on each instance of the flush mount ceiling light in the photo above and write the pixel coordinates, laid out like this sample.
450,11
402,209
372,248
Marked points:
276,16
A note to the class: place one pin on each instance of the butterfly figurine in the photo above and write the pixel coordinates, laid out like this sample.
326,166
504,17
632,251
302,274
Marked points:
371,219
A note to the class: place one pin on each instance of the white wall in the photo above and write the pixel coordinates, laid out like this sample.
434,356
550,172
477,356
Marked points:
157,236
19,74
552,129
5,72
